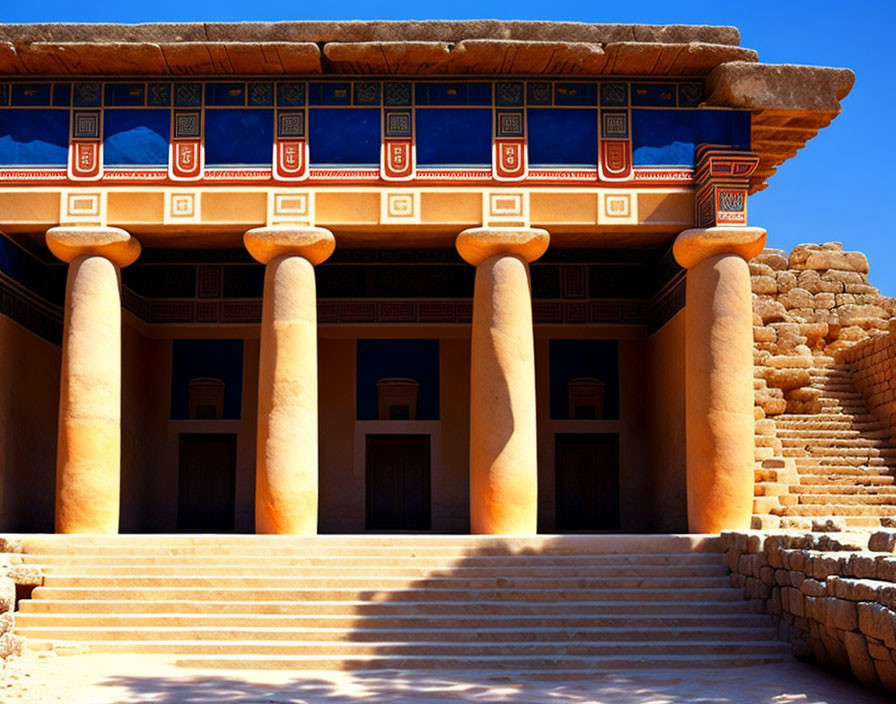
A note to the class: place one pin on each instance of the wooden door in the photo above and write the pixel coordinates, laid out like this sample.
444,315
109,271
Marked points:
586,468
398,493
206,482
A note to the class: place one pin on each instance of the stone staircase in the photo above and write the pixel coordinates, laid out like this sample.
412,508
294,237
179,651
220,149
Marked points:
837,462
543,604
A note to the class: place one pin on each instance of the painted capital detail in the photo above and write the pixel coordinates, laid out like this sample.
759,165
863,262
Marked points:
186,156
723,182
615,158
85,161
509,151
290,146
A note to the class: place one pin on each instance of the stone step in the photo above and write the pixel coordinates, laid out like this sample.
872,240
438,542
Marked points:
785,433
532,666
673,592
846,463
469,651
448,546
847,499
583,632
238,571
587,605
825,489
837,510
136,622
375,562
835,443
850,480
340,585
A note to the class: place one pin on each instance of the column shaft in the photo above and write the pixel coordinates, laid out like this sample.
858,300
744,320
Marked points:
89,442
719,375
88,454
286,466
503,453
287,463
719,321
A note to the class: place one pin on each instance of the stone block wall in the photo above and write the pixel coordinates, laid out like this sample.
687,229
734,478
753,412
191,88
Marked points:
873,365
14,577
807,306
831,595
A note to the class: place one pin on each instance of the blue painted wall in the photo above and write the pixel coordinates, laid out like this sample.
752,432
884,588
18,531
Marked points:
414,359
34,137
221,359
136,137
570,359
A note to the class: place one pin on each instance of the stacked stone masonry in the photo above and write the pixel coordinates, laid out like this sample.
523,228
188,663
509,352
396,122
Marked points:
831,595
873,366
824,362
15,580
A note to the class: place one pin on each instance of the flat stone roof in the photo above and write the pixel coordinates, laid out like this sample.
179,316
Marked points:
789,103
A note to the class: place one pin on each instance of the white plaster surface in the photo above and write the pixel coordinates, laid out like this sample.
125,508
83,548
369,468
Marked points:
120,679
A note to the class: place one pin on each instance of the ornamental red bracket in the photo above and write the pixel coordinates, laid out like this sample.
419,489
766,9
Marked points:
723,182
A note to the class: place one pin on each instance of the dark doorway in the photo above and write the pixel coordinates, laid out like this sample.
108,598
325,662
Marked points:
398,482
586,467
206,482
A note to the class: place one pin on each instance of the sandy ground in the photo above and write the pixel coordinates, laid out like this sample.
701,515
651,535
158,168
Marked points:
120,679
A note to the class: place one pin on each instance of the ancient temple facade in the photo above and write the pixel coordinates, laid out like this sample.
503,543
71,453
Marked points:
445,277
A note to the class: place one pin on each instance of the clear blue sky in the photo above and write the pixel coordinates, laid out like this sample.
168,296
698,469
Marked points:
837,188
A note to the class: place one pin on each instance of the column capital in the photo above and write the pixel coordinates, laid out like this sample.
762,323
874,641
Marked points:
479,243
315,244
112,243
693,246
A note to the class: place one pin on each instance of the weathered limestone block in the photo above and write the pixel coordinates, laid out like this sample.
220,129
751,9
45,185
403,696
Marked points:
786,281
770,311
878,622
7,595
760,269
824,301
860,661
844,261
7,622
10,545
783,361
764,334
775,259
796,298
861,315
764,284
854,589
804,400
882,541
10,645
885,569
787,379
26,575
862,567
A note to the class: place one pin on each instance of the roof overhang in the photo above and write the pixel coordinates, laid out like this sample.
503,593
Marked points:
789,103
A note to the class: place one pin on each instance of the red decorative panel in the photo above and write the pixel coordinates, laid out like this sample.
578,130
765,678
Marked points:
510,159
290,159
616,159
186,162
86,161
398,159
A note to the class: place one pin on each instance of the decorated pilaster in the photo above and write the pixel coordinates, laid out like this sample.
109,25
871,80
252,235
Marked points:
286,469
88,457
719,346
503,459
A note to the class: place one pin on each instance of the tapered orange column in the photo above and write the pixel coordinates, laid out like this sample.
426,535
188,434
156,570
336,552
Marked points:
503,457
88,455
286,464
719,375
